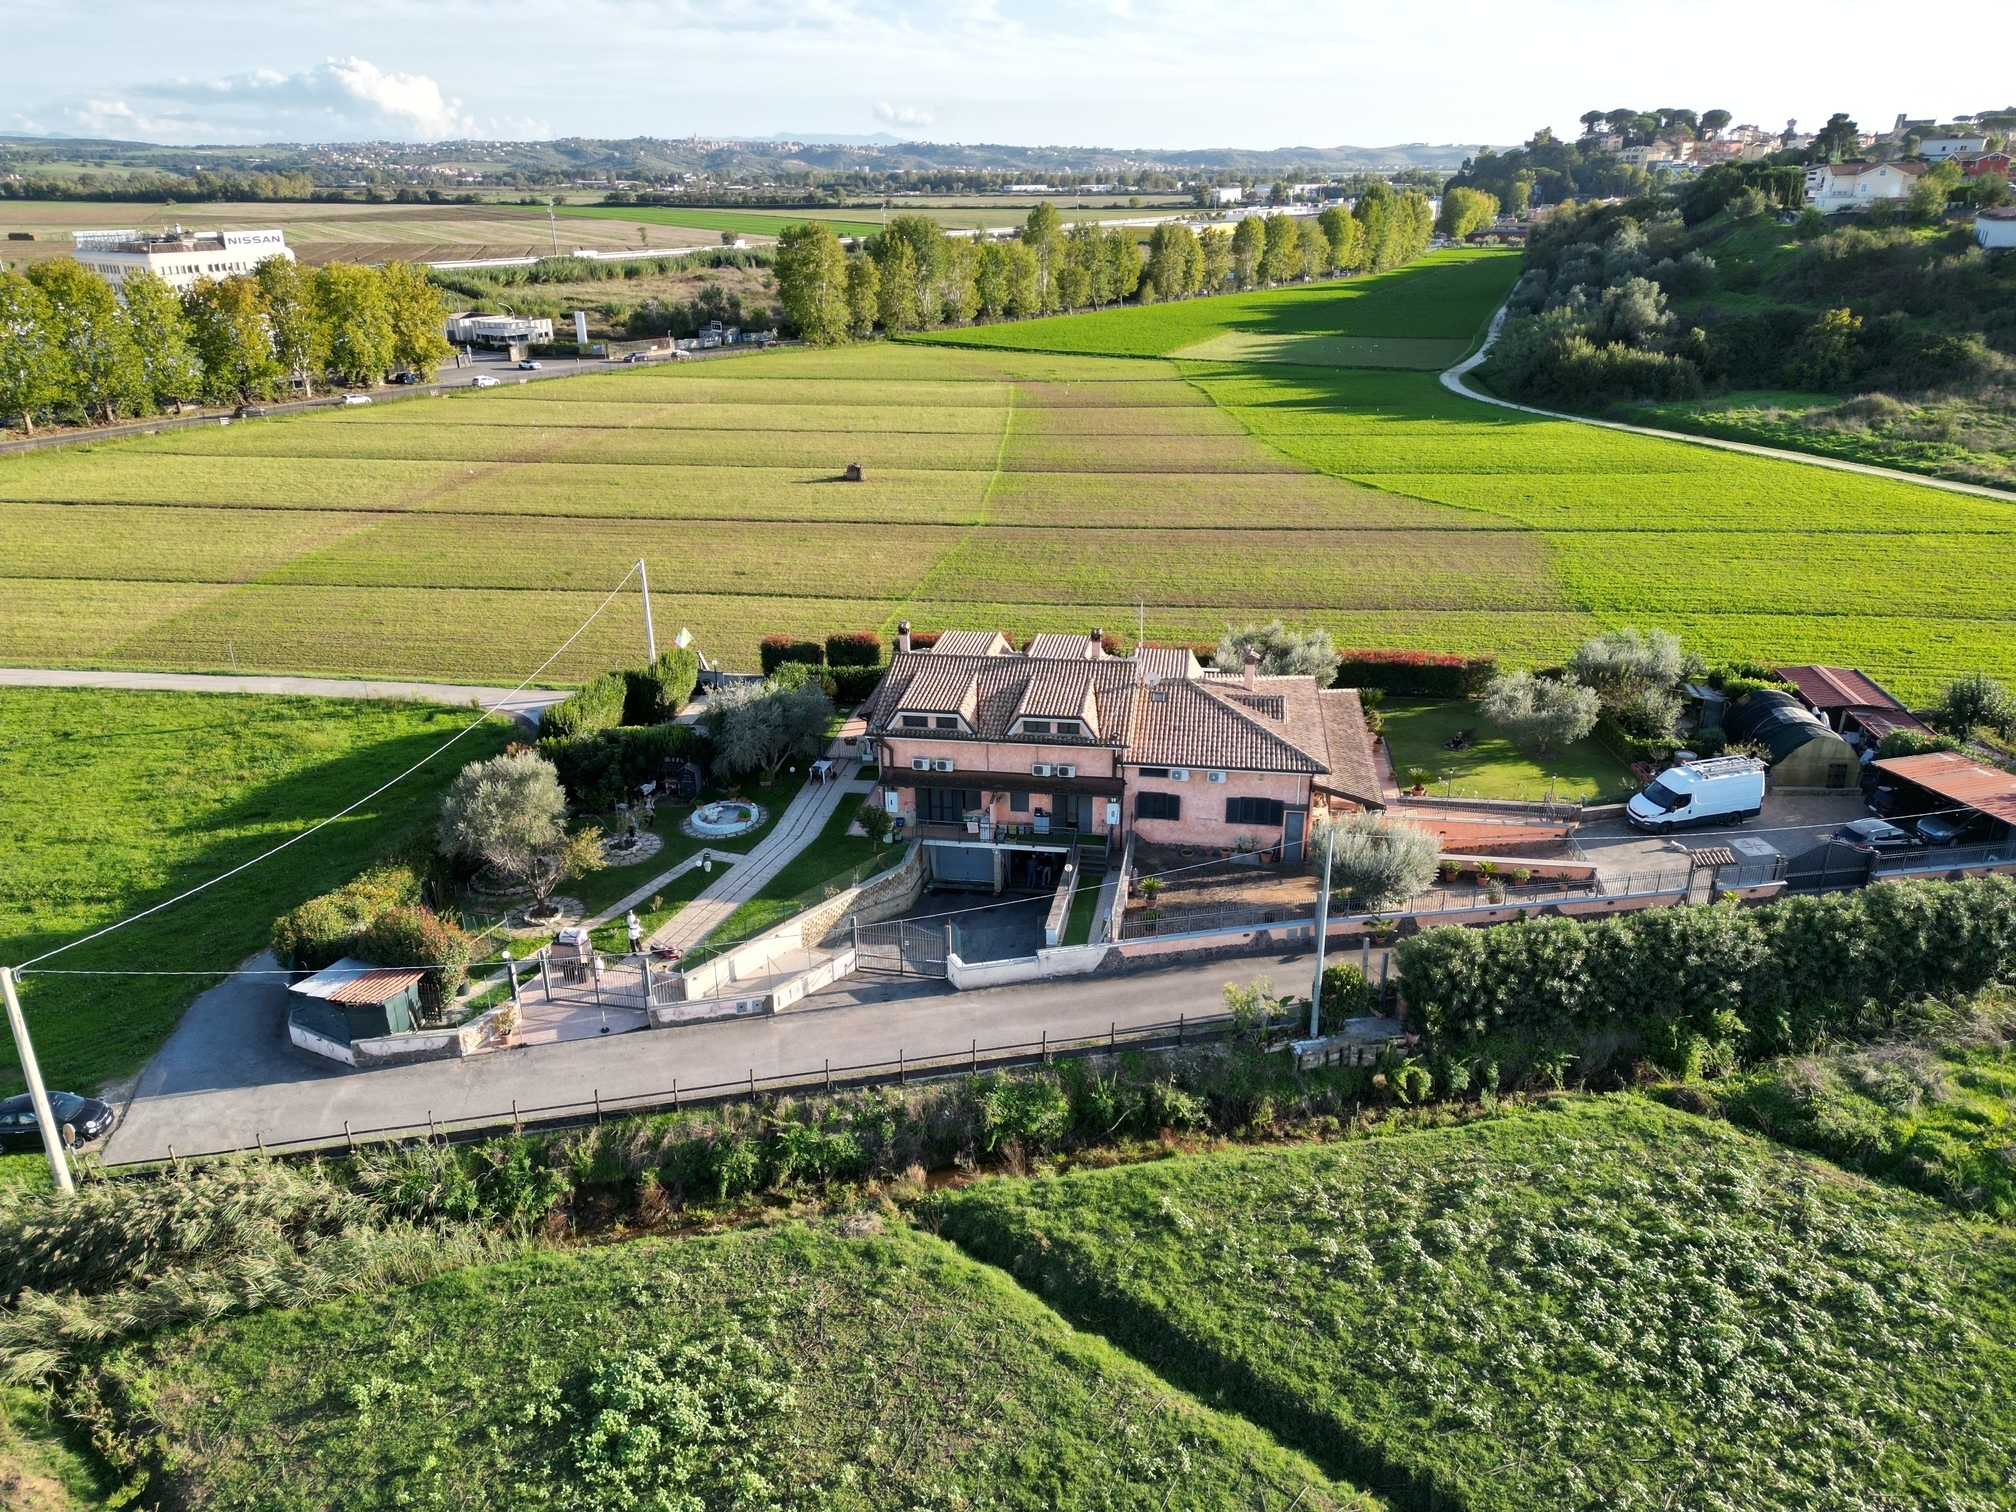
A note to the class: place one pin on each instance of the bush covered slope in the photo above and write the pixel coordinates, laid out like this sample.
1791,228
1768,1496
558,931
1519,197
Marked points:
1608,1305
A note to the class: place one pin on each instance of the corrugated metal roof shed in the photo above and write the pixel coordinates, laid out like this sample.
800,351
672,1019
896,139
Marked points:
353,981
1960,780
1839,688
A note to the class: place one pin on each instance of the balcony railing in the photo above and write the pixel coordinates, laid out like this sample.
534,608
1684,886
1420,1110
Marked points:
1024,834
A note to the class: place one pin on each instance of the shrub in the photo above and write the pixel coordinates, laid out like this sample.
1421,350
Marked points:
924,640
505,813
1541,711
1416,674
1346,994
856,648
598,706
417,937
1709,740
776,650
1380,862
598,769
1973,701
760,727
798,674
1913,743
855,685
876,822
655,694
316,934
1282,652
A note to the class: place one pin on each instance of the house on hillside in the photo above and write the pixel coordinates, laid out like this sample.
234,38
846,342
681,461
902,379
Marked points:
1835,187
1977,163
999,759
1939,148
1996,229
1853,704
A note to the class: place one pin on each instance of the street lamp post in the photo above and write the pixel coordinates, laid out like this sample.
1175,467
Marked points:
1322,930
52,1140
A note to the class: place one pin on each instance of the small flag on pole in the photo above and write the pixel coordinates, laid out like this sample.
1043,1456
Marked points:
685,638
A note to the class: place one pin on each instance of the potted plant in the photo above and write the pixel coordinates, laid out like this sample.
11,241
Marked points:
1419,777
1496,893
1486,870
1521,875
1381,930
1450,869
1151,889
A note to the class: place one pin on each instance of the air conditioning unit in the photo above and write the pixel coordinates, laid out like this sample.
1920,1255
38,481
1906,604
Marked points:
1065,769
1041,769
920,764
1215,776
943,764
1179,774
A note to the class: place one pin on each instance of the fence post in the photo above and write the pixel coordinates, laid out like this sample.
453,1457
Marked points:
829,1074
675,1094
348,1139
752,1081
975,1069
1046,1047
1179,1027
546,975
1113,1036
598,1105
516,1126
902,1074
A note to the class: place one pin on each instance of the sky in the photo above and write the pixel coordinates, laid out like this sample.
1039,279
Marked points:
1171,74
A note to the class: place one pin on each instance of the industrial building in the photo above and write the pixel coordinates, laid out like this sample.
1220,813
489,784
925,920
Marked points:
466,329
180,257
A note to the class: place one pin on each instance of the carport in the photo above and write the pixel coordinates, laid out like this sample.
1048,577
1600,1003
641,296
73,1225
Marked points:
1945,781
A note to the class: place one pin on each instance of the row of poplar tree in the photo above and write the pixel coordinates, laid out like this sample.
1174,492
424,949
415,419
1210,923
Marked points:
72,349
913,276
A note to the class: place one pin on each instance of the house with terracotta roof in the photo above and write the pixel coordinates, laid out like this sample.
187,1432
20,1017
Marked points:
998,760
1852,703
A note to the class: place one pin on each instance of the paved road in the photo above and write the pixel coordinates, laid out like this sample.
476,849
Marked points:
525,705
1452,380
228,1077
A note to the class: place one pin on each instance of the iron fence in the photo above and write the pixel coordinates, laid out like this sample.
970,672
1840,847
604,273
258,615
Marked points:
1164,1034
790,908
1943,858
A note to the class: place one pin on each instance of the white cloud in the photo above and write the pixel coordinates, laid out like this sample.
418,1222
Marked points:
342,98
909,115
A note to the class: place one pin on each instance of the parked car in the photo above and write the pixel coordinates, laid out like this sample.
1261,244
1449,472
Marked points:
87,1115
638,357
406,378
1876,836
529,366
249,412
484,380
1725,790
356,398
1962,827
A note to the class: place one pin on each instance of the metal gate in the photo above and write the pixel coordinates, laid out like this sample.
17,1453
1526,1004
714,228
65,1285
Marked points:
905,947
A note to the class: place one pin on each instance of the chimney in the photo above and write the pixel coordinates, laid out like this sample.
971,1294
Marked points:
1095,644
1252,665
903,637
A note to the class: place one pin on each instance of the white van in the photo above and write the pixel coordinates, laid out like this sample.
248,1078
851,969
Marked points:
1723,790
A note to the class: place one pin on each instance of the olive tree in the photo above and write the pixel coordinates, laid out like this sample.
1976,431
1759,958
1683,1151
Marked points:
1634,677
1375,862
1543,712
510,814
757,727
1283,652
1973,701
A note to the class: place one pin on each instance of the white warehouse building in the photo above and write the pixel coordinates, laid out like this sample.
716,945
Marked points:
179,257
466,329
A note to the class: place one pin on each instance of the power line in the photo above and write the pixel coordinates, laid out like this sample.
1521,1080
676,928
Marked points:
350,808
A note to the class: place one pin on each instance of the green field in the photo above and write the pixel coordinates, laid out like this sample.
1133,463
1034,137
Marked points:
917,1377
1610,1305
1445,298
1025,489
115,801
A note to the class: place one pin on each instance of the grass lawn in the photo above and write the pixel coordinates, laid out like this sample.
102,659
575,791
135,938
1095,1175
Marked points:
824,860
113,801
917,1377
1609,1304
741,222
42,1469
1492,766
1084,903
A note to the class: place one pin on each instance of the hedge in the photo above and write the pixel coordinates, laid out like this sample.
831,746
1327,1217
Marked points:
317,934
1416,674
1705,987
924,640
598,706
598,769
856,648
779,649
416,937
655,694
853,685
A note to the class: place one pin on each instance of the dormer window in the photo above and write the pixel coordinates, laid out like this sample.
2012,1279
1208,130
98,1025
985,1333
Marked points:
1070,727
946,722
1035,727
916,721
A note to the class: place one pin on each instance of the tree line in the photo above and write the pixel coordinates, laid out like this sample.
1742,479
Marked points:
72,349
912,276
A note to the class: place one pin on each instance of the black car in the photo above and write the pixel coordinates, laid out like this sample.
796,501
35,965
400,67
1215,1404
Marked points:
250,411
87,1115
1876,835
1962,828
406,378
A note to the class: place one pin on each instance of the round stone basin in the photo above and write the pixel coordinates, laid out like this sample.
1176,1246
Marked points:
727,818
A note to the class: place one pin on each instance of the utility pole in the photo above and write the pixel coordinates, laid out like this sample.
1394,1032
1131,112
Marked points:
1322,929
650,634
553,225
52,1140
